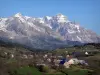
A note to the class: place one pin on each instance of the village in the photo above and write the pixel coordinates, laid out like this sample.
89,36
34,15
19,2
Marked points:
54,61
51,59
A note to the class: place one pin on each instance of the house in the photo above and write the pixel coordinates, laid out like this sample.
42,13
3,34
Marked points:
74,61
83,62
60,56
49,60
12,55
70,62
24,56
30,56
45,56
63,61
66,65
5,53
86,53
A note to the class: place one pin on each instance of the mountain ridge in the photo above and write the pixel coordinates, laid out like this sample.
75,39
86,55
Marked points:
45,33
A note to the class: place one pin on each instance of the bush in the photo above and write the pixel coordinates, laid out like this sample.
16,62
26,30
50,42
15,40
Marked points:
46,68
43,68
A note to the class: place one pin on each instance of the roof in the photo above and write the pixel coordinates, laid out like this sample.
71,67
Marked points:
63,61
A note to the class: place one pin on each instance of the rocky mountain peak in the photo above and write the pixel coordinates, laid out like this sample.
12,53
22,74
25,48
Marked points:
18,15
61,18
45,33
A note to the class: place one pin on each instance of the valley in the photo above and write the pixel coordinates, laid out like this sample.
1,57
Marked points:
17,60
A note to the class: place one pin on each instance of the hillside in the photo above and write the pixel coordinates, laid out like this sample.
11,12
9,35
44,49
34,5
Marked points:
15,59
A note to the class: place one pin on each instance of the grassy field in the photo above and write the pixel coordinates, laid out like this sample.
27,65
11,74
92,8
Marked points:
34,71
26,71
75,71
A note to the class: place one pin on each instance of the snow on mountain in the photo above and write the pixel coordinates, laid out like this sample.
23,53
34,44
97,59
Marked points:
27,17
41,20
18,15
45,33
2,24
61,18
48,17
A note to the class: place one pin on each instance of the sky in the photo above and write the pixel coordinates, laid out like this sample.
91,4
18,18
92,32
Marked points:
84,12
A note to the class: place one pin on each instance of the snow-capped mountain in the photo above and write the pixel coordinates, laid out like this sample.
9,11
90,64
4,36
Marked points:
45,33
